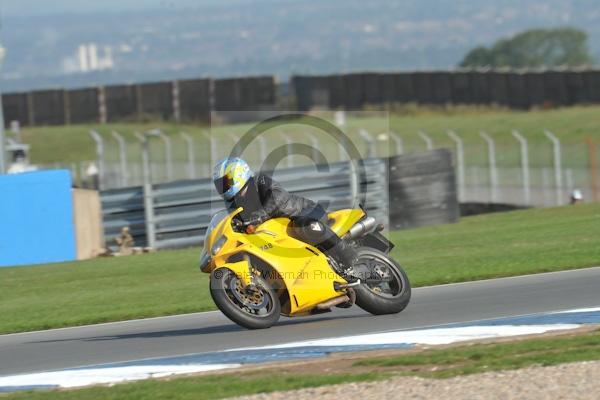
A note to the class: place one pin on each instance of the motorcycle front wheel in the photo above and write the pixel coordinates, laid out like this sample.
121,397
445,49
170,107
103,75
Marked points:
253,308
385,287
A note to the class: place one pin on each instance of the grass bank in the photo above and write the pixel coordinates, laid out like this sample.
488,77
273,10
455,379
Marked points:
168,282
72,144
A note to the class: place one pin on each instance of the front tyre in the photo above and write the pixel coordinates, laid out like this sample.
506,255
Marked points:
258,308
385,288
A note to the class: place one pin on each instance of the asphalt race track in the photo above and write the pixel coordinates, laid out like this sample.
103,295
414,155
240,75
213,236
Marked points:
210,332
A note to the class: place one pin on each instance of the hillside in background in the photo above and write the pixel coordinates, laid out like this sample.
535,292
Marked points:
134,40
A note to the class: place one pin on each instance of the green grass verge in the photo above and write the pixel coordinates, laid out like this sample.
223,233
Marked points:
502,244
473,359
198,388
168,282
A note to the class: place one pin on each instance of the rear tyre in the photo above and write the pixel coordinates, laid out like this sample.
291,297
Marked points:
253,309
385,288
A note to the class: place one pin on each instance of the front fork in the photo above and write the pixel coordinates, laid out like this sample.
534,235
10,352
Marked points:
251,285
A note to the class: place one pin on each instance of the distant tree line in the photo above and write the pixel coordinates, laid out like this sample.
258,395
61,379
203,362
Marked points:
533,49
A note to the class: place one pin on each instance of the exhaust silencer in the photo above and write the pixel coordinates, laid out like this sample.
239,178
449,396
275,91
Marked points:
361,228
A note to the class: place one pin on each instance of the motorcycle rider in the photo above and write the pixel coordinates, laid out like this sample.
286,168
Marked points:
263,198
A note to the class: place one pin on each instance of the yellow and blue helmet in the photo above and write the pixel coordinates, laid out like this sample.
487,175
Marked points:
230,175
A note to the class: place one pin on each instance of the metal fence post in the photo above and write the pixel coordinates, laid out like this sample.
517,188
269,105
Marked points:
141,139
428,141
493,167
168,151
366,136
122,157
524,166
213,145
557,166
460,163
99,155
148,191
190,154
398,142
214,152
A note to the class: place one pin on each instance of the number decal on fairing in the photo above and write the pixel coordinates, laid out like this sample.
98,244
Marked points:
267,246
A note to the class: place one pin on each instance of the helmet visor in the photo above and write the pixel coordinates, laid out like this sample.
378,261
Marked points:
223,184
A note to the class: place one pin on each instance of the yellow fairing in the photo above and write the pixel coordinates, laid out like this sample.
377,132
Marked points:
343,220
241,269
301,268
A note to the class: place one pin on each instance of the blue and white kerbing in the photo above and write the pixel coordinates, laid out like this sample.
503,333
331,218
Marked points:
195,363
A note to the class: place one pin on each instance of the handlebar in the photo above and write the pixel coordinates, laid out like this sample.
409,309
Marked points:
238,224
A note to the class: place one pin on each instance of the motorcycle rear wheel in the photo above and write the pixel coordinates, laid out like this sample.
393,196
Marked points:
256,309
385,288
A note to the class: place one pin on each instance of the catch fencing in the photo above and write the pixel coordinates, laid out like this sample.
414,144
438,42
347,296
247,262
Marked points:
538,169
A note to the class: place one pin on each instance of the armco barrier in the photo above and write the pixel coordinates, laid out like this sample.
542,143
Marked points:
182,210
37,218
123,207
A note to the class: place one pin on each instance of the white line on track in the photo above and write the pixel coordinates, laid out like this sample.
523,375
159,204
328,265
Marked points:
110,323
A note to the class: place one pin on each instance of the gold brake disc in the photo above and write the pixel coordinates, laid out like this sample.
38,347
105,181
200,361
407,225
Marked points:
255,299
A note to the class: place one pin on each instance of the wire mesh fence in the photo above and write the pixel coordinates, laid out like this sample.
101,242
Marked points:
499,169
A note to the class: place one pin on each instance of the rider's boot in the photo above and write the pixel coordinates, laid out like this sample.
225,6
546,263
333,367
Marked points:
344,256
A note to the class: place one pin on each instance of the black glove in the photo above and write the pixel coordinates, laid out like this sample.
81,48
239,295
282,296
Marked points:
256,218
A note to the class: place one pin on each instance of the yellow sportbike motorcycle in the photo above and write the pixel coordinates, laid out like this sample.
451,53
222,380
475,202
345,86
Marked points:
259,272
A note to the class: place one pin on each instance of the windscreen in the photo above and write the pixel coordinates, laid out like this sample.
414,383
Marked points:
216,219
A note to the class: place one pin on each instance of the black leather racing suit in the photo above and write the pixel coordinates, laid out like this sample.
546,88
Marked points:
263,198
